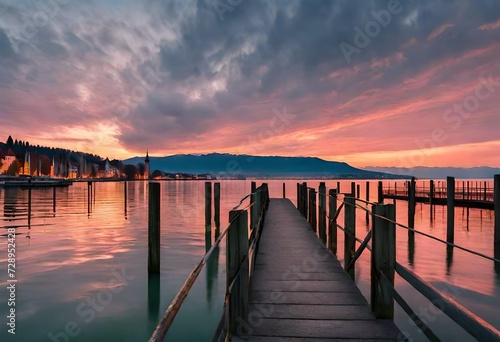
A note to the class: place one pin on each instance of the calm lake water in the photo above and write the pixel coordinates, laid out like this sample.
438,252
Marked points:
86,272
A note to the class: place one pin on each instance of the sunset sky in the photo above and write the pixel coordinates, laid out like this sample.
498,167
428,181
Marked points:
420,85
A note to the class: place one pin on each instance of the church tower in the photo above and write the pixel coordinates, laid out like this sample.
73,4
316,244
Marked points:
147,173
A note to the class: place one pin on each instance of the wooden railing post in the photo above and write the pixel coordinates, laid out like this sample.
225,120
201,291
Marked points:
383,260
338,187
496,200
322,211
332,222
314,210
450,203
154,228
305,201
237,261
208,206
217,207
411,207
350,227
380,197
298,197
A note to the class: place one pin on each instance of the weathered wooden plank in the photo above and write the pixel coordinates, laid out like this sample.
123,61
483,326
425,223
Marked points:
300,291
347,329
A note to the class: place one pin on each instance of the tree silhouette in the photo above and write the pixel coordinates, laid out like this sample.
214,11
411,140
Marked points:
14,168
10,141
46,166
130,171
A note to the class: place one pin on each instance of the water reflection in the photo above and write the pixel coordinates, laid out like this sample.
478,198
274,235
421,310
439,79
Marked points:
497,264
449,259
10,204
78,253
153,296
411,249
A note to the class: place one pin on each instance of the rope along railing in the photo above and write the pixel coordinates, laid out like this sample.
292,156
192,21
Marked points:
383,259
237,250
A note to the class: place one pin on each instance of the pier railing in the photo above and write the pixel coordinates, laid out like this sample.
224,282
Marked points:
383,254
464,190
241,245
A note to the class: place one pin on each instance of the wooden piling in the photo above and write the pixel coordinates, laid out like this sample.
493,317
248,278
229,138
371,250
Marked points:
431,192
208,206
358,192
237,271
368,200
298,196
431,198
485,191
253,222
450,202
383,260
322,212
154,228
353,189
305,201
313,210
350,233
284,190
411,206
496,196
380,197
217,206
332,221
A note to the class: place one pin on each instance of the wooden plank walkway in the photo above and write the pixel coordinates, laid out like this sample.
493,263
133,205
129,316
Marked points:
300,292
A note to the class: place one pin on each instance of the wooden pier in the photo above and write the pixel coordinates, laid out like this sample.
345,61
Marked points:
300,291
466,194
284,282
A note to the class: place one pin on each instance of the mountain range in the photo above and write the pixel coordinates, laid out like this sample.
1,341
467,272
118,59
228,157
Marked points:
231,165
422,172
